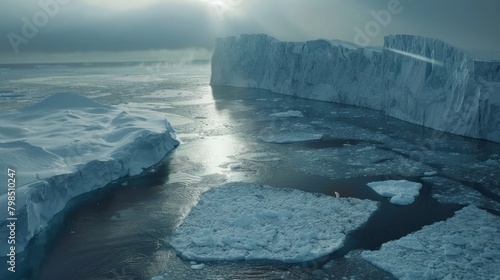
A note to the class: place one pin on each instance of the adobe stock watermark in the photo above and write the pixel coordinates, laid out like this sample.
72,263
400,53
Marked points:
39,19
224,8
381,19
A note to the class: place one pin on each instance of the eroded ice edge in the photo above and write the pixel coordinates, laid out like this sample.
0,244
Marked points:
240,221
465,246
68,145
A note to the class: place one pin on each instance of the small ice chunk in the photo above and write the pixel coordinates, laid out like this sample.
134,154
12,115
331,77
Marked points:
430,173
329,265
448,277
401,199
455,239
197,266
411,242
401,192
365,149
290,137
157,278
288,114
492,162
451,250
235,165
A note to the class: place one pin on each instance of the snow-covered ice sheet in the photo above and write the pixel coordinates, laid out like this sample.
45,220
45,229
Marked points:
67,145
240,221
465,246
401,192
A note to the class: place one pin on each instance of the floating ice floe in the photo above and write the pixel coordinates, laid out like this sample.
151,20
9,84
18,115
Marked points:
197,266
240,221
365,149
68,145
288,114
447,190
430,173
463,247
289,137
347,162
401,192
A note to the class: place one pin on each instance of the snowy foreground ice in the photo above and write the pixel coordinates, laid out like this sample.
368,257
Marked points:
401,192
465,246
240,221
68,145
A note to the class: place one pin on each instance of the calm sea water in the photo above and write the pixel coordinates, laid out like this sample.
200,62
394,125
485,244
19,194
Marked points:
122,231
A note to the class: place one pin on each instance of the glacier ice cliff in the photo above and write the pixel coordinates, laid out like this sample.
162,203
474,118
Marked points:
68,145
419,80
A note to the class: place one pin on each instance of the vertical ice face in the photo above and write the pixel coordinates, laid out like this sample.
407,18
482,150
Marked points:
419,80
430,83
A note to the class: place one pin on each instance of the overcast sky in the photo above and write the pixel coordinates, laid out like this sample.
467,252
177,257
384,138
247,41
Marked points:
103,29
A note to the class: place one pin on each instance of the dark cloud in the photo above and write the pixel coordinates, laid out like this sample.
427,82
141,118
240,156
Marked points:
467,24
79,27
82,26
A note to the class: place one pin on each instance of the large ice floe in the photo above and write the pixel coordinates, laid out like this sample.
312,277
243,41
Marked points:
240,221
465,246
68,145
420,80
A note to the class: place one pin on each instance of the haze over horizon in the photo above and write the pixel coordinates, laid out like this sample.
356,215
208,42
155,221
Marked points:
91,30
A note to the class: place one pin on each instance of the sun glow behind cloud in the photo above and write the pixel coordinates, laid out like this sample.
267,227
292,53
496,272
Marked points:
109,26
222,7
122,5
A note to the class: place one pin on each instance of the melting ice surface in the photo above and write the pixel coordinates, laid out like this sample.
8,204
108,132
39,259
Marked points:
67,145
288,135
248,222
222,129
463,247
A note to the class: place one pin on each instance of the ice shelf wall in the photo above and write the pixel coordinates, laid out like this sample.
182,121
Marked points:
419,80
